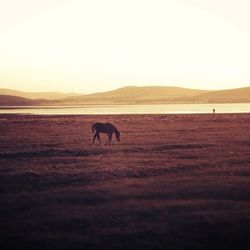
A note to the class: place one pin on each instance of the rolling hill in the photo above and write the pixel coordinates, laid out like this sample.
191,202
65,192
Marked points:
37,95
240,95
136,95
8,100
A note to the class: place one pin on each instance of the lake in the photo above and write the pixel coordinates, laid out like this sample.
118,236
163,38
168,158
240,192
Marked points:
128,109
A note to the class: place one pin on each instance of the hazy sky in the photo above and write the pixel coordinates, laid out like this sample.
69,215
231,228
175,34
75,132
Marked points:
88,46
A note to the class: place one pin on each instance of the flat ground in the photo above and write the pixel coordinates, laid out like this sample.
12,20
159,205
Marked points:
173,182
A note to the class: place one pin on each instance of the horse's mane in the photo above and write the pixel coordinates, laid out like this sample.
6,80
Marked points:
116,131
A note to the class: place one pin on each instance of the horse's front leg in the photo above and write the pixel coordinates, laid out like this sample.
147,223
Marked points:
110,138
99,139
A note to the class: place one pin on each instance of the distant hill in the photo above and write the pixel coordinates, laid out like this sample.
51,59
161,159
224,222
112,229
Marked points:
137,95
240,95
8,100
37,95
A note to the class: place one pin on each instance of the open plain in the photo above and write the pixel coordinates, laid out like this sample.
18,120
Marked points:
172,182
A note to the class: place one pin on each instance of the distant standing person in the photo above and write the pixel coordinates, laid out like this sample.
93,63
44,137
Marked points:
213,111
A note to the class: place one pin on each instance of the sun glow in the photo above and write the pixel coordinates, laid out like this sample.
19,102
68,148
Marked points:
99,45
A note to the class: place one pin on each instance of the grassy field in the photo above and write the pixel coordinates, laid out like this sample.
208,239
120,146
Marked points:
173,182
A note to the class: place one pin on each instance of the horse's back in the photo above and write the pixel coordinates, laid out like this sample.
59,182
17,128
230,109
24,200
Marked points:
104,127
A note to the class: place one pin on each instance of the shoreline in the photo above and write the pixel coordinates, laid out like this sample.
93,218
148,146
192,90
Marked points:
242,108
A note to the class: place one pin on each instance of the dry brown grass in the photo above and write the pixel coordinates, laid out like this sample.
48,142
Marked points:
173,182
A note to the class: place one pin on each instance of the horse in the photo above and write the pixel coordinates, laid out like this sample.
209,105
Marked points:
106,128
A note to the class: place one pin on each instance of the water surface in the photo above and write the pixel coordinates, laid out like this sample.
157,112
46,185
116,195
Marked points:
129,109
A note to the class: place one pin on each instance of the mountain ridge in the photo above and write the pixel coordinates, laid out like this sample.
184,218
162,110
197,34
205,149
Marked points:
139,95
53,95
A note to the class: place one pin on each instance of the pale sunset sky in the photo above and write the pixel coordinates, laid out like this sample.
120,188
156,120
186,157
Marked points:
98,45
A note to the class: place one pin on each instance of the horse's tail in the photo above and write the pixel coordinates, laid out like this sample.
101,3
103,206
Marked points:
93,128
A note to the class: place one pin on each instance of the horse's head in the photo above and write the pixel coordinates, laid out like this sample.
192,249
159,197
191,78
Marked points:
117,135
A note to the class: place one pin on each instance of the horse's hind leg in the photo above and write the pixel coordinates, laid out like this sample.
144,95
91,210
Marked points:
94,137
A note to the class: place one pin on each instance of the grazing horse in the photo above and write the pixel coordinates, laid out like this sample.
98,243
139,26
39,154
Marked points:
107,128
